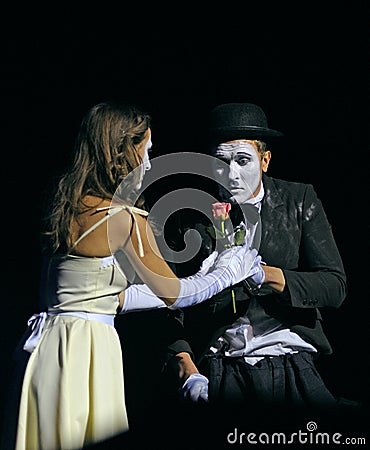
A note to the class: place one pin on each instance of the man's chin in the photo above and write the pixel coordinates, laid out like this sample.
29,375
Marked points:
238,199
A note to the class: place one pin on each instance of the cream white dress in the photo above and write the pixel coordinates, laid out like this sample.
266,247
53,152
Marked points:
73,388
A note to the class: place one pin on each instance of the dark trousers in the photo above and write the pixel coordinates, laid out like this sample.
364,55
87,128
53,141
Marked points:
287,381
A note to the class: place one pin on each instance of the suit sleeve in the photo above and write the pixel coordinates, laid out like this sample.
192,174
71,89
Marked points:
181,342
320,280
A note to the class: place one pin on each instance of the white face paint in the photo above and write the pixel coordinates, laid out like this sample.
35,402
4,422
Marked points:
241,174
145,164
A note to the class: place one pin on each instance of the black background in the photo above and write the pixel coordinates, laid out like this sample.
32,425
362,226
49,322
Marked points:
305,65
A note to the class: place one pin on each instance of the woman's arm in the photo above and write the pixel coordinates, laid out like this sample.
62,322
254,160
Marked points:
139,245
151,268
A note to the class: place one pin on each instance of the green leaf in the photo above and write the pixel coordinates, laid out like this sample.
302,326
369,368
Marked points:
215,233
239,237
212,232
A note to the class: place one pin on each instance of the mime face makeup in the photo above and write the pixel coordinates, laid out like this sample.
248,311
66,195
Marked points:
145,164
243,170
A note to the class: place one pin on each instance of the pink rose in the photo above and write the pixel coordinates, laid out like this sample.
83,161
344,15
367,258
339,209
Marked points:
221,210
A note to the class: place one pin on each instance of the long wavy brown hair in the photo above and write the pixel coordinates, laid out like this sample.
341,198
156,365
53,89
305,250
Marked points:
104,154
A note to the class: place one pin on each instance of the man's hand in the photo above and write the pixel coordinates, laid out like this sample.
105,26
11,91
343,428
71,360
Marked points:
195,388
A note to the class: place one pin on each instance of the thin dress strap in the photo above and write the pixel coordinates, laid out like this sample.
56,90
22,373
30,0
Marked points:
114,210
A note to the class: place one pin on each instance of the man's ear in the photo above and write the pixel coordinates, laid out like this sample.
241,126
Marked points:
265,160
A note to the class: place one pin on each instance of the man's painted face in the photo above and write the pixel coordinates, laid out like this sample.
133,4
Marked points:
242,173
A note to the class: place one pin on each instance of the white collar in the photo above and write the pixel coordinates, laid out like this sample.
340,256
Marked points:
258,198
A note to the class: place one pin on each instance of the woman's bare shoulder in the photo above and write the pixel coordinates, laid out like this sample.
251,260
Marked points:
101,233
91,202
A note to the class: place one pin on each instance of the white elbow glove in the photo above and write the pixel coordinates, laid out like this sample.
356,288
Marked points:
231,267
195,388
257,274
138,297
206,266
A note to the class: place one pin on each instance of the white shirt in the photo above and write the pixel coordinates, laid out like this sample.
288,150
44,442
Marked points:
270,339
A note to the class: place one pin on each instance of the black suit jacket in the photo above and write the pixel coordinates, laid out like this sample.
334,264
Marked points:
297,237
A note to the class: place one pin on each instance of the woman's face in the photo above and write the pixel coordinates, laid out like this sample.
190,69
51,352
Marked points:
143,149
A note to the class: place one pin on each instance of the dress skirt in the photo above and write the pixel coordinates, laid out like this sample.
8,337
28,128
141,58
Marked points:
73,387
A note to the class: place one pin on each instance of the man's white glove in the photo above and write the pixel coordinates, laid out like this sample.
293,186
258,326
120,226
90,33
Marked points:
195,388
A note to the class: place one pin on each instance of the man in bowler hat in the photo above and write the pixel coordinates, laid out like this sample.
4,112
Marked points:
255,343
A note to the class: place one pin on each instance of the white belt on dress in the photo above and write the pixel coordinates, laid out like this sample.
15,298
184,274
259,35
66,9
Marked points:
37,323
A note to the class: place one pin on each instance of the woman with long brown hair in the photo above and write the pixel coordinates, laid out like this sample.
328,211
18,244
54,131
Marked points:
73,386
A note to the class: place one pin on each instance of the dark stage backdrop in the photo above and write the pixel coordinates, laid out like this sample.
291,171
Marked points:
304,65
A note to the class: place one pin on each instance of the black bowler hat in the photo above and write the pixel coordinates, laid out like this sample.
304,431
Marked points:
232,121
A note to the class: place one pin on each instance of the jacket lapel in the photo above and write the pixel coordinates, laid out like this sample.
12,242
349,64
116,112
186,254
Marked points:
272,213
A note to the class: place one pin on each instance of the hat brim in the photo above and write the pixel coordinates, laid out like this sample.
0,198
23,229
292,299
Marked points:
232,133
